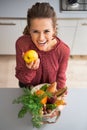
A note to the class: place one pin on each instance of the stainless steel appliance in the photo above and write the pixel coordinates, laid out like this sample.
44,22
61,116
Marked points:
73,5
72,1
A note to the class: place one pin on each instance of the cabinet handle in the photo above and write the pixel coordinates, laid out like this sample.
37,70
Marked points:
12,24
84,24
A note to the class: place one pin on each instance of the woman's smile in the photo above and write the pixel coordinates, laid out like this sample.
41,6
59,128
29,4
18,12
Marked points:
42,43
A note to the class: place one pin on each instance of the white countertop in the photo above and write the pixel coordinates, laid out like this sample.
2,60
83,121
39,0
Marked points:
73,116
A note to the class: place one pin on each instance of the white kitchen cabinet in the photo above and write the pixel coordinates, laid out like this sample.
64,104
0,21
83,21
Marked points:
10,30
80,42
23,24
66,31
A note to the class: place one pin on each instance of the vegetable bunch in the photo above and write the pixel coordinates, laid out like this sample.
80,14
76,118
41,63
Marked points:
39,103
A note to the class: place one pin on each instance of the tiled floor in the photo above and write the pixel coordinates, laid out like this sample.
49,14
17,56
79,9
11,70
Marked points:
76,72
7,72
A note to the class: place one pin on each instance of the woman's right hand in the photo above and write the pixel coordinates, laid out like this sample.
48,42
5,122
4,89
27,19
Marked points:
33,65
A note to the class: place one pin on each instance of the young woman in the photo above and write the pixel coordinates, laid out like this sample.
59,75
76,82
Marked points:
40,35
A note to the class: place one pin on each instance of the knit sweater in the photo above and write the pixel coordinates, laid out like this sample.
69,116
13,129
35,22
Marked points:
53,63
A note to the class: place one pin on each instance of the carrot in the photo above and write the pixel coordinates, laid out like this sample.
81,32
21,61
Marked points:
40,93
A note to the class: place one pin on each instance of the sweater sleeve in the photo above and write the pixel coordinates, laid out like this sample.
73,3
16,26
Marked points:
63,63
23,74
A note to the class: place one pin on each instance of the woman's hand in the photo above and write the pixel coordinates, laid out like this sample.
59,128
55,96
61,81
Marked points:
33,65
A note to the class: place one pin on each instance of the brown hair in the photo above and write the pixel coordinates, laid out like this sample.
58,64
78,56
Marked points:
40,10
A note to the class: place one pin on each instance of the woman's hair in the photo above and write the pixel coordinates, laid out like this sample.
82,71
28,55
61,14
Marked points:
40,10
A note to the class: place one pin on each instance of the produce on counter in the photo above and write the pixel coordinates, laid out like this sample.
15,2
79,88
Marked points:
40,102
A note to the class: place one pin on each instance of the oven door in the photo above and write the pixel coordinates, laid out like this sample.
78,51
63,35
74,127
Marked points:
73,5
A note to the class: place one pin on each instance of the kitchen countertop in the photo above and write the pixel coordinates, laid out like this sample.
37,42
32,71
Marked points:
73,116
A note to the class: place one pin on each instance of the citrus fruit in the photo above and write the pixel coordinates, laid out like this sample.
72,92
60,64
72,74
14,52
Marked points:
30,56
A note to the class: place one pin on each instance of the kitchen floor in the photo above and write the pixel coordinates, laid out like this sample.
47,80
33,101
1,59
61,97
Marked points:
76,72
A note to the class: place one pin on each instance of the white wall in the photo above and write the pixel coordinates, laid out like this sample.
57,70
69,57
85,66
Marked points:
18,8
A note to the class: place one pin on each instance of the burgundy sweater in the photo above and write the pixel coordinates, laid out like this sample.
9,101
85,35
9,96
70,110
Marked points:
53,63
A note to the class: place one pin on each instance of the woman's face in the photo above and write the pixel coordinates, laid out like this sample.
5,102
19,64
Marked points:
42,31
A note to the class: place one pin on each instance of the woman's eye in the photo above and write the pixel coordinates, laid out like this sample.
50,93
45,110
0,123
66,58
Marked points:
35,31
46,31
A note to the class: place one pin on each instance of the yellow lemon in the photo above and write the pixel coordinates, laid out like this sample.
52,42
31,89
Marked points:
30,56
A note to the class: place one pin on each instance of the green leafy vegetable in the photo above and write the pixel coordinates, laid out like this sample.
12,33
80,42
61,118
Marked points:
31,103
44,87
51,106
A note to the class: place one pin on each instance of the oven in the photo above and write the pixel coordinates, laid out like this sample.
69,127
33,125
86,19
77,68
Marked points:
73,5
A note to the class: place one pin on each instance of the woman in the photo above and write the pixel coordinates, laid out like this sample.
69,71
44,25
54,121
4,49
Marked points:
40,35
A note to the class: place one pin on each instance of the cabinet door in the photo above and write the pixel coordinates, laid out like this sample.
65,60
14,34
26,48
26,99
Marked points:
9,32
66,31
80,43
23,24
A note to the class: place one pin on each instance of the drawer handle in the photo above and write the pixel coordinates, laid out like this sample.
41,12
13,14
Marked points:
7,24
84,24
